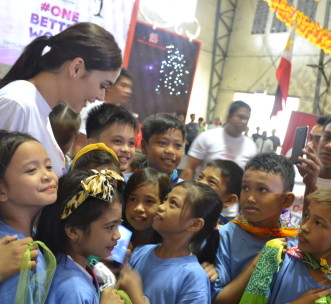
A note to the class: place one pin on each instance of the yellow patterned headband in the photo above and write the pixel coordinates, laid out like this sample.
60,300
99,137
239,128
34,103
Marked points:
98,185
92,147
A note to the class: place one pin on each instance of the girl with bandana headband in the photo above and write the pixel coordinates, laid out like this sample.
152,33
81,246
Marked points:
27,184
83,222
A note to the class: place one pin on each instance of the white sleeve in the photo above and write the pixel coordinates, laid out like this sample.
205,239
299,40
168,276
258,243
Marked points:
12,116
199,147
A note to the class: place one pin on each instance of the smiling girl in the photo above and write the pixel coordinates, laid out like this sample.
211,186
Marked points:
78,66
27,184
170,272
143,195
83,221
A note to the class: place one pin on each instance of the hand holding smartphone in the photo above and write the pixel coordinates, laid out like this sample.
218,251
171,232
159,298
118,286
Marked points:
299,143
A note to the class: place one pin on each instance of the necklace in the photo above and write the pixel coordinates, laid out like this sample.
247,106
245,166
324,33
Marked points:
311,262
263,232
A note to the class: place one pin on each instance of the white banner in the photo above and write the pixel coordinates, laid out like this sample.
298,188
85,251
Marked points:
24,20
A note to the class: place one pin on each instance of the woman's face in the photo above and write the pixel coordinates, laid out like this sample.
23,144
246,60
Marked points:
89,87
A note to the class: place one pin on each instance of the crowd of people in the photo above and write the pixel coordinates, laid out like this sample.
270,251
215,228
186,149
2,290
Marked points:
208,234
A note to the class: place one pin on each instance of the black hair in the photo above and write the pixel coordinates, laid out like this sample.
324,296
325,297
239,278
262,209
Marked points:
148,176
9,142
51,229
65,124
96,158
326,122
124,73
103,116
237,105
231,173
203,202
274,164
322,119
139,178
96,46
160,123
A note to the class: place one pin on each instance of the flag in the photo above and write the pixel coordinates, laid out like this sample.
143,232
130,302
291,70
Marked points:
283,74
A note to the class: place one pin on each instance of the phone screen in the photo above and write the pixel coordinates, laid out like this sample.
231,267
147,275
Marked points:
119,251
299,143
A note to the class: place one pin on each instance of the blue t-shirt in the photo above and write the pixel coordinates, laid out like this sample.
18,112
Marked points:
8,287
292,280
71,285
171,281
236,249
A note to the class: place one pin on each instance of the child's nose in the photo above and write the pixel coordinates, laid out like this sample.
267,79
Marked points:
169,149
117,234
139,207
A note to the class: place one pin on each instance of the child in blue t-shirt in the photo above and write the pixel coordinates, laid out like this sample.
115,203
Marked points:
305,274
170,271
266,190
27,184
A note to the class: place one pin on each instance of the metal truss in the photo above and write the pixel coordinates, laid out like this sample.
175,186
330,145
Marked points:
223,27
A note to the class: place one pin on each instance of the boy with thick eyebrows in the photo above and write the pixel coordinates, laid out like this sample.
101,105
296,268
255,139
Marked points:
162,143
266,190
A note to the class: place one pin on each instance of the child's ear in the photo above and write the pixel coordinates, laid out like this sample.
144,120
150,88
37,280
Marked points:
196,225
230,200
288,200
91,141
3,193
143,146
72,233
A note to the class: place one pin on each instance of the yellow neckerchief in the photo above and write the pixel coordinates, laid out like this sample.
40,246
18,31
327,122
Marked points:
265,232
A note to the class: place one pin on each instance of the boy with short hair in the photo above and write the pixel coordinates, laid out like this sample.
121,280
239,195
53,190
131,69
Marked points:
116,127
266,190
163,137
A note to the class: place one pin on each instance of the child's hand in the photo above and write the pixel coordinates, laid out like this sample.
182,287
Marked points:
310,296
11,255
130,282
109,296
211,271
309,167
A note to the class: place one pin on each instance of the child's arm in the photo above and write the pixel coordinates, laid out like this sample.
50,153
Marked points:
11,255
130,282
233,291
312,295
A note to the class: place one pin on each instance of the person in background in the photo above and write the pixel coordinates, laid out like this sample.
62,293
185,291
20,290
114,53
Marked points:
317,130
275,139
264,144
118,94
192,130
72,71
201,126
256,135
65,125
227,142
217,123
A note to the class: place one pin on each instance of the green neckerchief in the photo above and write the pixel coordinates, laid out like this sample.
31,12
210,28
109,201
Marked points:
42,278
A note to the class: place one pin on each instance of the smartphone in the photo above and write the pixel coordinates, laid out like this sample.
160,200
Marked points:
299,143
119,251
